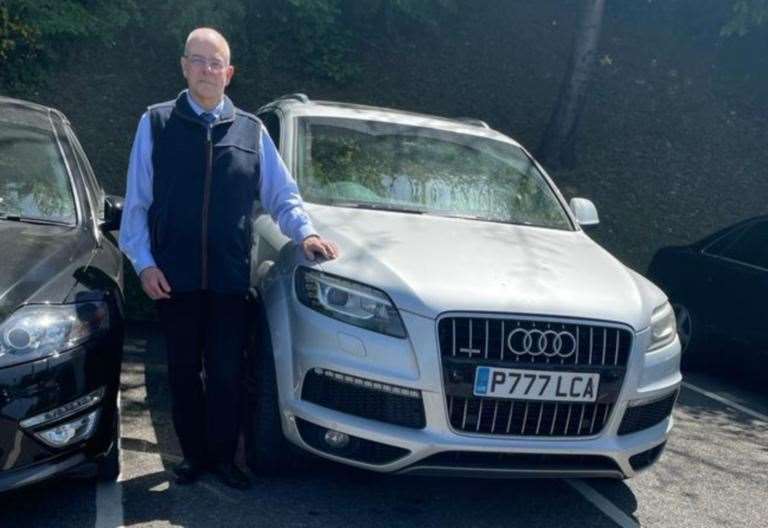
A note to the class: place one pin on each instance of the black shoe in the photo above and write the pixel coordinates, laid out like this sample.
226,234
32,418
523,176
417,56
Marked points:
187,471
232,476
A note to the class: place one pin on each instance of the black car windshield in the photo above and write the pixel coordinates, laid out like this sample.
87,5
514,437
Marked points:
410,168
34,182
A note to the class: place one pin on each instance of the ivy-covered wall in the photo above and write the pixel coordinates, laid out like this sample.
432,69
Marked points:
670,146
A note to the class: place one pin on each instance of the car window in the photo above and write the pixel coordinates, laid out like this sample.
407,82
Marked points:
717,247
431,171
95,192
751,247
34,181
272,124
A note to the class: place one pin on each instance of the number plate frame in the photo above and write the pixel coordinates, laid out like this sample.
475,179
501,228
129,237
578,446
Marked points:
536,385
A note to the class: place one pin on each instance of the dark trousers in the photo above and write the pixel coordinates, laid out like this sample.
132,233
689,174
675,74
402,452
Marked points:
205,335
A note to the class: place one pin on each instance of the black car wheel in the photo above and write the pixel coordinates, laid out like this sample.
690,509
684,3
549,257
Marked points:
267,450
109,466
692,338
684,326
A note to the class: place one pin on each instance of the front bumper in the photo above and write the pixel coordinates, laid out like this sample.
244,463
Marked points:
304,340
31,389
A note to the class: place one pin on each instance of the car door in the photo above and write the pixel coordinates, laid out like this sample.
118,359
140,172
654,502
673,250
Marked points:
740,282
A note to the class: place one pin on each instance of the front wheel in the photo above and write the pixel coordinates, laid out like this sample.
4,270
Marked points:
109,466
692,337
267,450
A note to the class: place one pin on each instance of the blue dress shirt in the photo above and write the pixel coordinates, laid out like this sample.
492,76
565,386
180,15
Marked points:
278,193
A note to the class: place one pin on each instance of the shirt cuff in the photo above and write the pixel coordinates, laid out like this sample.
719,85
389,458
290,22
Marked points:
303,232
143,262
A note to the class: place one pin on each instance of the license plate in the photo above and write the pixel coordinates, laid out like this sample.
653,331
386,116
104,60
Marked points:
536,384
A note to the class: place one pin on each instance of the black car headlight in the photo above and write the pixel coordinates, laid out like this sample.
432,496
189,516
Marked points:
39,330
349,301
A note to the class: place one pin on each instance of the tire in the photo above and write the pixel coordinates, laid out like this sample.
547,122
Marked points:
695,354
267,450
109,466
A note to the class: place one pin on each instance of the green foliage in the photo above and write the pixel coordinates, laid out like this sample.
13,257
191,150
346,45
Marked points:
425,12
323,34
33,33
747,14
324,44
177,18
19,44
328,32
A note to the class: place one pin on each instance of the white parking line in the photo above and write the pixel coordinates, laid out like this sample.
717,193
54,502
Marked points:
109,496
603,504
726,401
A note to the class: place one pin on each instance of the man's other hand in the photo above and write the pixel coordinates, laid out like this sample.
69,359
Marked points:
154,283
314,246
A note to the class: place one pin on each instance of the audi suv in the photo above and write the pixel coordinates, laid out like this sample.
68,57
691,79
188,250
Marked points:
61,322
470,326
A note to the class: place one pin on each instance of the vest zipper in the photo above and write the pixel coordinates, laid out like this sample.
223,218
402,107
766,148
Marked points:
206,202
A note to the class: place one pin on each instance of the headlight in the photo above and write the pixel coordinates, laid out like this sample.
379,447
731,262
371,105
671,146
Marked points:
663,326
348,301
37,330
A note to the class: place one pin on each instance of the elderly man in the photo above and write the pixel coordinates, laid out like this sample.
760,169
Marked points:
197,166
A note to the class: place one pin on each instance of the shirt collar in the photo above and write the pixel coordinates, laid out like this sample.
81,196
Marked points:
216,111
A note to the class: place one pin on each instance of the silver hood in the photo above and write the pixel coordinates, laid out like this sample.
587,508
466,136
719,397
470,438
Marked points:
429,265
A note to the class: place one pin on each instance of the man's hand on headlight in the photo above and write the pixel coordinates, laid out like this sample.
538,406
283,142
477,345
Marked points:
154,283
314,246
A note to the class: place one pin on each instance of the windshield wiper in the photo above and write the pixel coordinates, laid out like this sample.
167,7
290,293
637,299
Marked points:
465,216
378,207
32,219
482,219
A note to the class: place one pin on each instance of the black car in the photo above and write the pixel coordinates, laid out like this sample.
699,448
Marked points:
718,287
61,304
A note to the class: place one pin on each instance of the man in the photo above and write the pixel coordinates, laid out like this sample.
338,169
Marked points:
196,168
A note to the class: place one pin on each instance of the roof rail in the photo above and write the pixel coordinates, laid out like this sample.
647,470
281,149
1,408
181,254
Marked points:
297,96
473,121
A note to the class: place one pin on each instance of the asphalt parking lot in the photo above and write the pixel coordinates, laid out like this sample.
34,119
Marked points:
714,472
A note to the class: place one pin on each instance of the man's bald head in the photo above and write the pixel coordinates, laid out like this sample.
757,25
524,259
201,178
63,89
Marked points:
206,66
211,36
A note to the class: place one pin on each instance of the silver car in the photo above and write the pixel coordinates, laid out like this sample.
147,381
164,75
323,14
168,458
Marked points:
470,326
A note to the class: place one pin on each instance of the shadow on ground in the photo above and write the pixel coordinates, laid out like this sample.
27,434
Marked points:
324,494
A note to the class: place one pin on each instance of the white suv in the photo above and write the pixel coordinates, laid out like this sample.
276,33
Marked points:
470,326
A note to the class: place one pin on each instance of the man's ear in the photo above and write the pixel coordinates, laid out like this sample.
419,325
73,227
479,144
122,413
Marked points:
230,74
183,67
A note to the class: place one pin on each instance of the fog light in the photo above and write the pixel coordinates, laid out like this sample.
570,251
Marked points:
65,410
70,432
336,439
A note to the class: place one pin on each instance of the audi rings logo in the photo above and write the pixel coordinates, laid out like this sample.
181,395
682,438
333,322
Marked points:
541,342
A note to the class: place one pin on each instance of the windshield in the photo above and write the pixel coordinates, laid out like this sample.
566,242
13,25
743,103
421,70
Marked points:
426,170
34,182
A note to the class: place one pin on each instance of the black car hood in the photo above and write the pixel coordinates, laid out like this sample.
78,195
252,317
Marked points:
38,262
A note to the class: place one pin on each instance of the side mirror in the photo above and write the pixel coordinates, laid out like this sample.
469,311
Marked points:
585,212
113,212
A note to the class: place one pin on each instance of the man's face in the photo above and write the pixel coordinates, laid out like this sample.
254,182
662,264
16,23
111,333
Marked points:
207,70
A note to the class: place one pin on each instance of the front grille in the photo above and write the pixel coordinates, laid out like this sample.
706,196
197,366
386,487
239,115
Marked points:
646,458
469,342
375,401
646,416
518,461
358,449
527,418
482,338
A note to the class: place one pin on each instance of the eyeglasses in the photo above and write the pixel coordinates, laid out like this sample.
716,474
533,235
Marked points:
198,61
